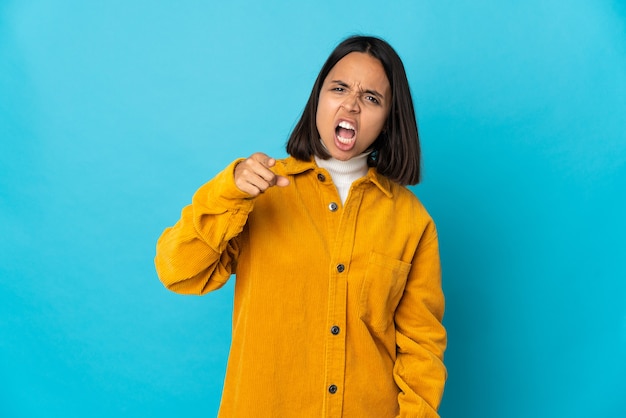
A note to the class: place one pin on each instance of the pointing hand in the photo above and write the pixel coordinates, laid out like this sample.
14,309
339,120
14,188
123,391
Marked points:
253,175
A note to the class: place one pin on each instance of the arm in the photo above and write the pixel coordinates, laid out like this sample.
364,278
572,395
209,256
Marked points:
421,338
198,254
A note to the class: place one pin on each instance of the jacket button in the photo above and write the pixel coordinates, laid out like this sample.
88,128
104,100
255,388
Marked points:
333,206
332,389
321,177
340,268
334,330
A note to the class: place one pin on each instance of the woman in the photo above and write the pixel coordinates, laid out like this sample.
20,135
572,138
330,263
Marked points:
338,300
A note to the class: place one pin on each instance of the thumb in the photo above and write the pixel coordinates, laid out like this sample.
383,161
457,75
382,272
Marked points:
264,159
268,161
282,181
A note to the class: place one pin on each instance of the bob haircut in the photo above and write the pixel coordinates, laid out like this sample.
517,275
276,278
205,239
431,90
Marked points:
396,152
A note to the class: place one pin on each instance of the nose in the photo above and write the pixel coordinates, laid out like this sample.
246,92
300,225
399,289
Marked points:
351,103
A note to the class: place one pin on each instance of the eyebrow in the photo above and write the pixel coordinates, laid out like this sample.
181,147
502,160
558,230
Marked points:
368,91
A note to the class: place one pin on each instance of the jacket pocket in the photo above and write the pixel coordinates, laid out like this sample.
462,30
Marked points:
382,290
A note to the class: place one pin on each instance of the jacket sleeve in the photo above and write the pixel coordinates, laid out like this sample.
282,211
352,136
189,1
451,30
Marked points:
199,253
421,338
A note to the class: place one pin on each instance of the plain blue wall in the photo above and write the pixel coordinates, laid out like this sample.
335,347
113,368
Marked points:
113,113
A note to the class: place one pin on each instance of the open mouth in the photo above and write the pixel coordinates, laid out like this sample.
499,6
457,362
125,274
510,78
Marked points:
345,132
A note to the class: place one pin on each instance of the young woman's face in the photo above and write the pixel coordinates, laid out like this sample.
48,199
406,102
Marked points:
353,105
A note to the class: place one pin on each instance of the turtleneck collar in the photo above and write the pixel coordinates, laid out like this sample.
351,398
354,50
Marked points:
343,173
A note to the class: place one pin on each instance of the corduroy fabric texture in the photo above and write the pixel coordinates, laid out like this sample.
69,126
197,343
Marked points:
337,309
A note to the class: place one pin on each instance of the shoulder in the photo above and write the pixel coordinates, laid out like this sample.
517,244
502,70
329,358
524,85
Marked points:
409,206
399,194
406,195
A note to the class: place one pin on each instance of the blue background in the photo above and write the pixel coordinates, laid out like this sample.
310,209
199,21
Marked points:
113,113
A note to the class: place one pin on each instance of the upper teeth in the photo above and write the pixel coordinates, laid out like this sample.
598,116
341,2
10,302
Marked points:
346,125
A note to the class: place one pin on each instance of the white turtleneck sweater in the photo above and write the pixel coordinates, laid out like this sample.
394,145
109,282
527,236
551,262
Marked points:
343,173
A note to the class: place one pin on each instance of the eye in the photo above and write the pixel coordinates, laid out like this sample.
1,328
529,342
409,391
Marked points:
338,89
372,99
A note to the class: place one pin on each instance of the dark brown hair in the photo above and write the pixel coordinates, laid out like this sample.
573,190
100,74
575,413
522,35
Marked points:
396,152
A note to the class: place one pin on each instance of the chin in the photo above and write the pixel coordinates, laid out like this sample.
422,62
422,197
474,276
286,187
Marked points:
343,157
340,155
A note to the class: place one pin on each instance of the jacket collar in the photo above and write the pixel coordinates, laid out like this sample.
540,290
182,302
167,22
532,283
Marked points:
295,167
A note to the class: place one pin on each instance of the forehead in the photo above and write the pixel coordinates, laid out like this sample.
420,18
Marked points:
362,69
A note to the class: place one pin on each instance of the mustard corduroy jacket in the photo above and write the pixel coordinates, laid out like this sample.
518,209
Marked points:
337,309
